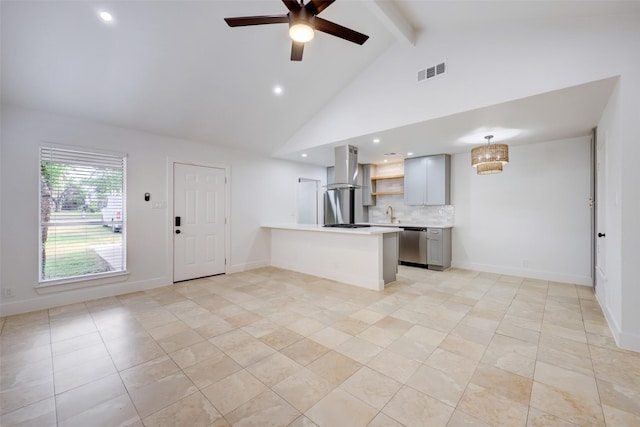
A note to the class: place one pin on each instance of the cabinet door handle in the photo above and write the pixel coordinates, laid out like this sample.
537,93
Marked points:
601,234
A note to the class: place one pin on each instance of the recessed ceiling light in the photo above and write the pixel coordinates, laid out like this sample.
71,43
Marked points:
409,153
385,160
105,16
376,140
304,154
277,90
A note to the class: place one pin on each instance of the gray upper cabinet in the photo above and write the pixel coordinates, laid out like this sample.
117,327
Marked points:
367,172
427,180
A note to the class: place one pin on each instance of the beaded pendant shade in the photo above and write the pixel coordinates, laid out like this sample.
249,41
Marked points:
489,158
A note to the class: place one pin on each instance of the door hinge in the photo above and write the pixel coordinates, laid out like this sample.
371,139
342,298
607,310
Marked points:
225,179
225,261
225,220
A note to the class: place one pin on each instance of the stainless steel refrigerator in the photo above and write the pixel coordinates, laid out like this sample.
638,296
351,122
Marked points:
344,206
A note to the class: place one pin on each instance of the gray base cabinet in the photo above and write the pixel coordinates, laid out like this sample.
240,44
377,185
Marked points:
438,248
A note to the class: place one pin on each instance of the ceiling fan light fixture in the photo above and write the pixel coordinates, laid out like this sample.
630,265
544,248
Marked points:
301,31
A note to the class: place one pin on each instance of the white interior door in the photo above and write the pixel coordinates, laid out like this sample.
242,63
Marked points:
601,213
307,201
199,221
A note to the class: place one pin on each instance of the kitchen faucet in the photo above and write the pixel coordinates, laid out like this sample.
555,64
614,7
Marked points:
390,208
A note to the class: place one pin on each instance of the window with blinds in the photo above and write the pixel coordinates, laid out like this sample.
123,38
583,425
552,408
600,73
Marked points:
82,214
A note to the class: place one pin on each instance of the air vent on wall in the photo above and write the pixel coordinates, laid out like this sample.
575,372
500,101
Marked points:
431,72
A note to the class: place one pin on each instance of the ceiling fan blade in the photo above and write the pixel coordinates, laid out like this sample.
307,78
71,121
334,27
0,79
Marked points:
244,21
317,6
296,51
291,4
339,31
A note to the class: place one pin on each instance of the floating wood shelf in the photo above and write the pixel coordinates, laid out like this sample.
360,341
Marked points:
376,178
386,193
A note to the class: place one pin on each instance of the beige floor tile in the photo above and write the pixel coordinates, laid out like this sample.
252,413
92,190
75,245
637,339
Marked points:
229,340
463,347
547,345
538,418
359,350
23,385
132,350
340,408
426,335
378,336
38,414
273,369
266,409
82,399
461,419
617,417
503,383
382,420
84,372
281,338
412,408
250,352
330,337
447,388
576,409
116,411
195,353
566,380
393,365
616,367
303,390
350,326
334,367
492,408
305,351
512,355
411,349
211,370
302,421
619,397
305,326
233,391
452,364
371,387
193,411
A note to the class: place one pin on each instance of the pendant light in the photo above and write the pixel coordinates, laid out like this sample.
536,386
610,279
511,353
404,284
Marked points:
489,158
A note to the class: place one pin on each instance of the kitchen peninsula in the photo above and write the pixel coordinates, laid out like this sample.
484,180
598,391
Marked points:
365,257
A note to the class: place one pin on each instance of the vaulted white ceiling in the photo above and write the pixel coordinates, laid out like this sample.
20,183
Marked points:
175,68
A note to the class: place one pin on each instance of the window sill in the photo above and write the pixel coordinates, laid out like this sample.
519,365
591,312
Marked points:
81,282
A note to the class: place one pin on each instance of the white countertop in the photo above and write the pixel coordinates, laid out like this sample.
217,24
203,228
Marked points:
318,227
395,224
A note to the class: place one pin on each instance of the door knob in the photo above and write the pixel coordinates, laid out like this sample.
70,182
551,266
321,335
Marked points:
177,231
600,234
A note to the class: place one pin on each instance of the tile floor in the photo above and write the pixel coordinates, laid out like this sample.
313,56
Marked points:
275,348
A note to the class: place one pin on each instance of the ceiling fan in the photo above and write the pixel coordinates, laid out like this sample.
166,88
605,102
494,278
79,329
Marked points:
303,21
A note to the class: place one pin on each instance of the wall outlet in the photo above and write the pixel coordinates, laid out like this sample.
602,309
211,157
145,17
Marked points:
8,292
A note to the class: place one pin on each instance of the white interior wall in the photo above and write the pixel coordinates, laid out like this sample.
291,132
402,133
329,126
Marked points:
262,190
532,220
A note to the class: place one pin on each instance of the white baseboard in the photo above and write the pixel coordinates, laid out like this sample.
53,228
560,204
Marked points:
625,340
239,268
525,272
46,301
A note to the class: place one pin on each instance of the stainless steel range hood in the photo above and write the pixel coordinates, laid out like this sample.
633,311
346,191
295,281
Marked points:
346,168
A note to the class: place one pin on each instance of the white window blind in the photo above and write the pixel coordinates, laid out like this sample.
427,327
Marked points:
82,214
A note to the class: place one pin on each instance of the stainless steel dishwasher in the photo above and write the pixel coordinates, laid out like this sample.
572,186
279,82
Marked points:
413,246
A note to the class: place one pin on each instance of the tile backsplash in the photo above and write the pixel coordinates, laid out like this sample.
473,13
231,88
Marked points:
431,215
